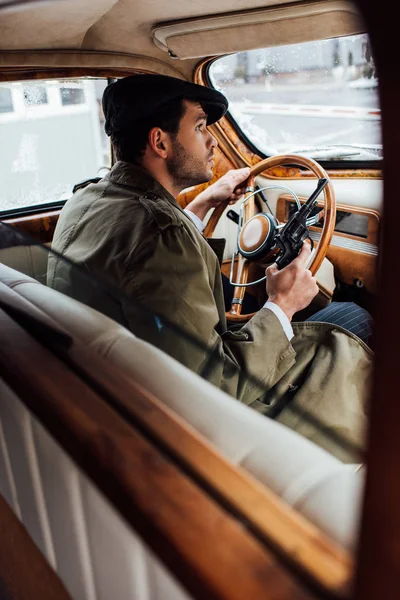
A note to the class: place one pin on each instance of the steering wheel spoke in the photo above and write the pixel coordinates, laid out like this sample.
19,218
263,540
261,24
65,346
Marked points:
242,274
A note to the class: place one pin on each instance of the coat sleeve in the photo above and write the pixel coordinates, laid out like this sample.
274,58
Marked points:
172,305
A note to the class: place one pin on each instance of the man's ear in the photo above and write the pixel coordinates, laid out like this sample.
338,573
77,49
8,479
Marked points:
159,142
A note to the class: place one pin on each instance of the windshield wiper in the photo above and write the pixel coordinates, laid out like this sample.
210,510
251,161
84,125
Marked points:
342,152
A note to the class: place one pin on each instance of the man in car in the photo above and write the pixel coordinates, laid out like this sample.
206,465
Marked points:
129,228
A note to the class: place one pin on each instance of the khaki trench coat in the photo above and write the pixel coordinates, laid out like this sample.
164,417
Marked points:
128,230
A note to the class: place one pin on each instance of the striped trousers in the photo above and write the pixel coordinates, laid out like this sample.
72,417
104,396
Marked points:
348,315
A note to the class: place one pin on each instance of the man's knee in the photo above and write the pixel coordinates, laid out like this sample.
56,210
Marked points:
348,315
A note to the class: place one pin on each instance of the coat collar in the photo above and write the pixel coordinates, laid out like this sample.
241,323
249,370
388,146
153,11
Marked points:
124,173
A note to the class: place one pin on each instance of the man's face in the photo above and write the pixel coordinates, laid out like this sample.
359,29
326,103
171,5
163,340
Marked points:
191,161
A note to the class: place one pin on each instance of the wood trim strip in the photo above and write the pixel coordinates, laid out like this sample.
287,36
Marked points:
373,221
24,571
299,543
209,550
39,226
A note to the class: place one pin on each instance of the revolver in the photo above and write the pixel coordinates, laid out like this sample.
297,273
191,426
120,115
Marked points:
295,231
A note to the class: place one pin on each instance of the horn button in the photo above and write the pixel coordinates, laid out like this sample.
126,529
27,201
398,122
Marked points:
257,236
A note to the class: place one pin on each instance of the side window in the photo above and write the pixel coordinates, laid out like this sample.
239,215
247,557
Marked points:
52,137
315,98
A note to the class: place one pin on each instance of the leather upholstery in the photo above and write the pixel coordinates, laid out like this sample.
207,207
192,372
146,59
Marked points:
30,260
321,487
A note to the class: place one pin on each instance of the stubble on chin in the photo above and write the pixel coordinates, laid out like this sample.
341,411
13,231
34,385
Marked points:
186,169
210,174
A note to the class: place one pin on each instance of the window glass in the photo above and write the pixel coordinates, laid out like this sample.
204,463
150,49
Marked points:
52,137
35,94
6,103
70,95
316,98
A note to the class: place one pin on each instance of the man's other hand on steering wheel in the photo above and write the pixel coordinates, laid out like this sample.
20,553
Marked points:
228,186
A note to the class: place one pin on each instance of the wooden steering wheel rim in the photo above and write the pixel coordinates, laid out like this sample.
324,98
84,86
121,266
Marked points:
327,230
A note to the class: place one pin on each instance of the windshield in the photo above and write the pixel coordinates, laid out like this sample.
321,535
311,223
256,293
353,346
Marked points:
317,98
125,311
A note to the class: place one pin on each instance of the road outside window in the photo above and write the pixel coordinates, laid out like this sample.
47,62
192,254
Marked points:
52,136
316,98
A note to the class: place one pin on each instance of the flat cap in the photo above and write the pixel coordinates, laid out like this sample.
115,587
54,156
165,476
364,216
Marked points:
132,99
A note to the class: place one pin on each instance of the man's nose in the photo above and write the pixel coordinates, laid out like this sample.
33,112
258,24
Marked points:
213,143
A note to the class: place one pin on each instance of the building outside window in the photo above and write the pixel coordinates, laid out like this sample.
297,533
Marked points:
6,103
71,96
35,94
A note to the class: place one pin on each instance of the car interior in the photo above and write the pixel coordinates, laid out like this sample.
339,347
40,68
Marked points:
123,474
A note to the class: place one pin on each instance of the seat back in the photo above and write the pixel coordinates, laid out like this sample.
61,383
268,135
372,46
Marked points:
29,260
322,488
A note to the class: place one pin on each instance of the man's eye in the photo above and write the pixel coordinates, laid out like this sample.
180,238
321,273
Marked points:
199,127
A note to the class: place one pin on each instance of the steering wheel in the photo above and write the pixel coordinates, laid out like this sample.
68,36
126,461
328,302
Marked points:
255,234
